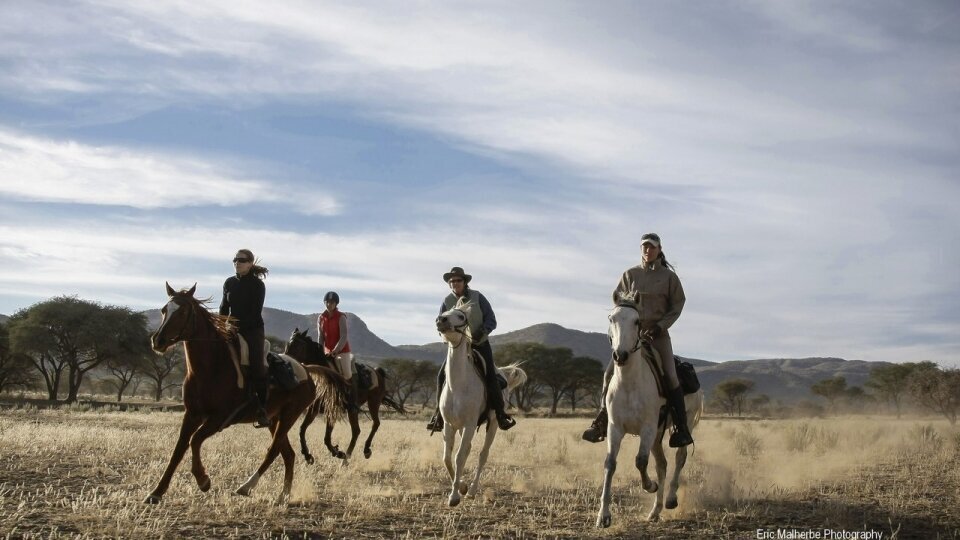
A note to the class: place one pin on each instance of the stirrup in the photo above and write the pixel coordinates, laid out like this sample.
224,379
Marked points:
598,429
504,422
261,420
436,423
680,438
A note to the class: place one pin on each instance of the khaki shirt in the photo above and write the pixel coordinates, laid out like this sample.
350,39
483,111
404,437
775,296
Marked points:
661,295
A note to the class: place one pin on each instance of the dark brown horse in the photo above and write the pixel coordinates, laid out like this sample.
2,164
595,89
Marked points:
308,352
213,399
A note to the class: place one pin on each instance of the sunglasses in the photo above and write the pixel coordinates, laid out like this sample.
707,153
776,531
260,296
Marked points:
241,260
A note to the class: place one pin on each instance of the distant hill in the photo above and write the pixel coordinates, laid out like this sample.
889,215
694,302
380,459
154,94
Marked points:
784,379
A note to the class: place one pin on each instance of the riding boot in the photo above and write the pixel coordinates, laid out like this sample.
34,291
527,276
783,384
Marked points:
681,434
259,399
598,429
436,422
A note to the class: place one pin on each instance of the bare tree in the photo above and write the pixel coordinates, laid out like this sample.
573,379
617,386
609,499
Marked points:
408,377
889,383
164,370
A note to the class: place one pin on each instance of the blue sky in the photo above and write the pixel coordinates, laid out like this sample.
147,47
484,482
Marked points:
799,160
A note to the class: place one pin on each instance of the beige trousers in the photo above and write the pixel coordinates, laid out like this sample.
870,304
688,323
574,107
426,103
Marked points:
344,363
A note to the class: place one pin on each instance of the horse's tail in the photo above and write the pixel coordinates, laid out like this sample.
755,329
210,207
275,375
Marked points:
331,392
515,375
394,405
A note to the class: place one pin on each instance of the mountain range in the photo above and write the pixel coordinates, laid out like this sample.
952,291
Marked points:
787,380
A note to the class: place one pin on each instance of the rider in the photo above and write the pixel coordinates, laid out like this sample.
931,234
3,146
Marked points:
332,329
661,301
482,321
243,296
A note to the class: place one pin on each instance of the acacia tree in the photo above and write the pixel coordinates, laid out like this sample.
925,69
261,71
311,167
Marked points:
731,394
831,389
124,370
889,383
14,367
586,378
937,390
528,354
78,335
407,377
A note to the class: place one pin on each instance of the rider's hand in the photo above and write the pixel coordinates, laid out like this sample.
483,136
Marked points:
653,332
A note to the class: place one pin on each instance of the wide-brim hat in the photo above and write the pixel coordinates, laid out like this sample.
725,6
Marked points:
456,271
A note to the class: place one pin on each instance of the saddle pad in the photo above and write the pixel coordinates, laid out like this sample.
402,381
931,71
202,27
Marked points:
297,367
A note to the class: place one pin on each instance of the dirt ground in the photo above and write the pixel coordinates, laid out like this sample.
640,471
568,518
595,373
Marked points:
84,473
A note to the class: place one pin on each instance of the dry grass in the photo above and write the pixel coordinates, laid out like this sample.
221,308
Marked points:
76,473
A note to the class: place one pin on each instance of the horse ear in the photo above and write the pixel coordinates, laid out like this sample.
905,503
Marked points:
170,290
192,289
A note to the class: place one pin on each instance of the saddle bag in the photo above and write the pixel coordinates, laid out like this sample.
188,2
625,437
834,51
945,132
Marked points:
281,372
363,375
687,376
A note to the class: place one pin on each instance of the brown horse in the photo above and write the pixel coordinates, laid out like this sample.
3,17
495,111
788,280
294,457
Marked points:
305,350
213,399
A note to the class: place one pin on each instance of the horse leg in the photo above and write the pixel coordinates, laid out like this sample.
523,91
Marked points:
354,431
308,419
648,436
484,452
681,460
459,487
209,427
374,406
188,426
614,438
334,450
287,419
272,453
661,460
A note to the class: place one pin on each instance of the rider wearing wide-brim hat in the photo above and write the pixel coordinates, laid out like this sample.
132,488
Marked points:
661,301
481,321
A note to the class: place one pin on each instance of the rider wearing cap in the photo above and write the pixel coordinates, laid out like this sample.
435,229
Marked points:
332,330
661,301
481,321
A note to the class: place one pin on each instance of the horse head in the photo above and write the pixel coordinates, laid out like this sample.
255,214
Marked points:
624,328
452,322
177,319
304,349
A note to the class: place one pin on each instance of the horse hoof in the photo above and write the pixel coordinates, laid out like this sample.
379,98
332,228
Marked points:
654,517
367,453
454,502
152,499
243,490
652,488
603,522
340,455
204,484
670,504
463,489
308,458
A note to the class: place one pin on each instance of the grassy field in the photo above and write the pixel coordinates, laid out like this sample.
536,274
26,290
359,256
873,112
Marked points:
73,473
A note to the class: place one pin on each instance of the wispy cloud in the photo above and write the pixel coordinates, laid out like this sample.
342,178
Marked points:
70,172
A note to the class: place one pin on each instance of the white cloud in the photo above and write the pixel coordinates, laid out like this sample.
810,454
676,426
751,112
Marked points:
34,169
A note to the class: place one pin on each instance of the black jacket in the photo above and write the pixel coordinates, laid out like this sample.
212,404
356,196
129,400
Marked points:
243,299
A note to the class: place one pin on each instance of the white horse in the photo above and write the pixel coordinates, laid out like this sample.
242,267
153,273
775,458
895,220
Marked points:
633,404
462,402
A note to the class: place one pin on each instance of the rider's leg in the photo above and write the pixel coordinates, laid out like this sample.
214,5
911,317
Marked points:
345,366
436,423
598,429
494,393
675,404
257,385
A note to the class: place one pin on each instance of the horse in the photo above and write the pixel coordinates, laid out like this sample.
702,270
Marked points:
634,405
213,398
307,351
462,402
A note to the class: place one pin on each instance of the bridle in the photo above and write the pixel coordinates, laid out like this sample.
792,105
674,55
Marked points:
460,329
189,323
639,343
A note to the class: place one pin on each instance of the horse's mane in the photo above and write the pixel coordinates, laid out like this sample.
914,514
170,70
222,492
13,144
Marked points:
223,324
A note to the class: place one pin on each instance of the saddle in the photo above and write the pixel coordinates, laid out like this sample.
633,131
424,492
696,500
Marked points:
481,366
240,353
